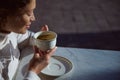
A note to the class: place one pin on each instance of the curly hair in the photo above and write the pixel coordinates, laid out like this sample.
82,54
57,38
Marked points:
11,7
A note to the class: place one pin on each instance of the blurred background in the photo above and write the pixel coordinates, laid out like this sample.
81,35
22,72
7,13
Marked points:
93,24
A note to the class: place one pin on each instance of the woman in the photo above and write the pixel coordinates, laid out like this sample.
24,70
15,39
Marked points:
15,18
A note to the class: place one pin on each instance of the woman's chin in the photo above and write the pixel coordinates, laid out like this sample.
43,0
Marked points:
23,32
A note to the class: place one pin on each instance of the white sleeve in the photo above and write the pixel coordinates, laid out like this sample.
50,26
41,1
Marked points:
27,35
1,67
25,39
31,76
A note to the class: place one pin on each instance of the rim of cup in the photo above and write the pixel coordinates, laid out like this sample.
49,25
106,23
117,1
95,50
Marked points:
41,32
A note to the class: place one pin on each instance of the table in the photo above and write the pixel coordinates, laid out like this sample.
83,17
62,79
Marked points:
89,64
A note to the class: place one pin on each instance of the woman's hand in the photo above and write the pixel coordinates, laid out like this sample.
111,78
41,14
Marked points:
40,59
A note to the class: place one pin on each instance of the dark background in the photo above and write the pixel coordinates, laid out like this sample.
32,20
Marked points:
93,24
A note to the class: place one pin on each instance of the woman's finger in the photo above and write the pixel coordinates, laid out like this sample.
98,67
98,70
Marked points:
45,28
52,51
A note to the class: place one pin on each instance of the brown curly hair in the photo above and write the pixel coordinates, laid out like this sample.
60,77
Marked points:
10,8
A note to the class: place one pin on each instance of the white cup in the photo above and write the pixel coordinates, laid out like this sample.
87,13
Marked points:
45,40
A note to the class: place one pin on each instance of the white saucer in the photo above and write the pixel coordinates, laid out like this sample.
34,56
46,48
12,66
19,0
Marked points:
58,66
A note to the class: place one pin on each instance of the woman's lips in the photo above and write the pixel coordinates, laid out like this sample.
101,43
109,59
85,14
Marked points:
27,26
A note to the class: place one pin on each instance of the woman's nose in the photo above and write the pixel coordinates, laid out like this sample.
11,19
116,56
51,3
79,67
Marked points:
32,18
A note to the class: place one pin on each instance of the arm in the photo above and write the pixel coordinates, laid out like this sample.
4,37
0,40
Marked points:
39,61
31,76
25,40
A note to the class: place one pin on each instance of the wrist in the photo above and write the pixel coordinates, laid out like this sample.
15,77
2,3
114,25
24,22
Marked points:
34,70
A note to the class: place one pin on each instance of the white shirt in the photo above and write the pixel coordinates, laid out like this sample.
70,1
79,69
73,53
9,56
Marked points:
10,47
